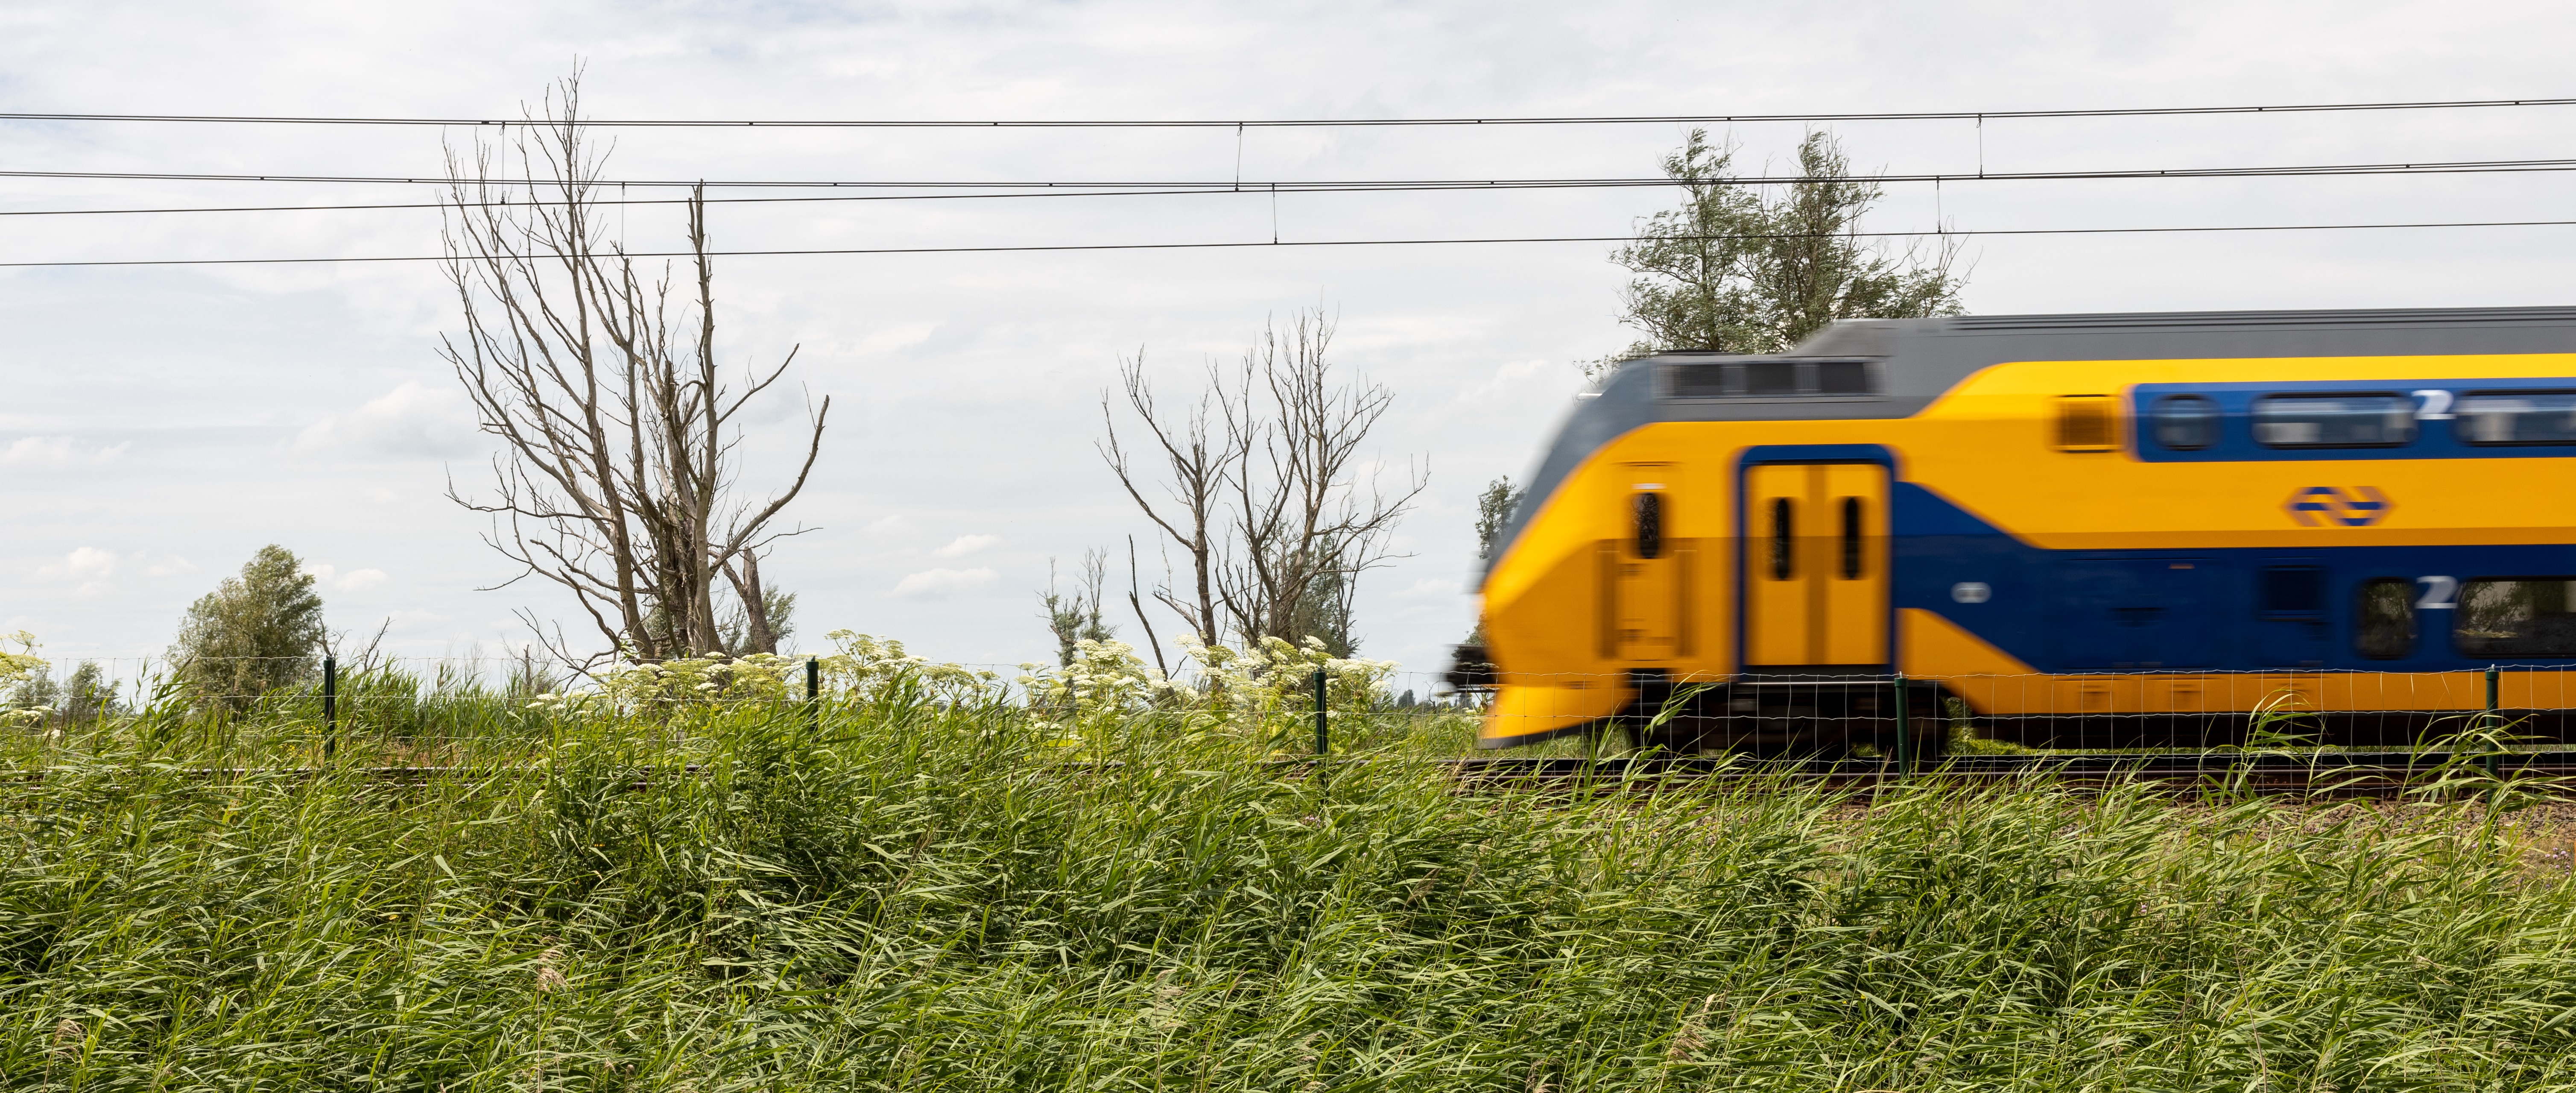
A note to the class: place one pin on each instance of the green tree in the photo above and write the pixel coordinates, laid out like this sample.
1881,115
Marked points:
89,694
1733,270
86,696
253,634
1077,617
1493,509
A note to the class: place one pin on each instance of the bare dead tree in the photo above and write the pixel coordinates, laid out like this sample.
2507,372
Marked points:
617,474
1136,603
1197,464
1304,524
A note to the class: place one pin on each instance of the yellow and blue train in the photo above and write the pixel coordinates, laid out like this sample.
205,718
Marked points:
2092,530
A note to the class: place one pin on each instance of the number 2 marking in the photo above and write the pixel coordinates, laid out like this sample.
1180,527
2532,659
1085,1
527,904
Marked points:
2435,407
2437,593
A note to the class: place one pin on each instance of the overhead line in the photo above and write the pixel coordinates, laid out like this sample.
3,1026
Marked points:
2324,170
1249,244
1311,123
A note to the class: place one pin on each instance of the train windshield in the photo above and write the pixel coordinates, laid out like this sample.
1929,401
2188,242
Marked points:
2333,421
2530,417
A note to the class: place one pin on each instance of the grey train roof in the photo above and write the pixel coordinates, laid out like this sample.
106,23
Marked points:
1912,361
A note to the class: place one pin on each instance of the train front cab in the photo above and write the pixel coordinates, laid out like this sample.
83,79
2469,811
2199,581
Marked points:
2029,542
1616,598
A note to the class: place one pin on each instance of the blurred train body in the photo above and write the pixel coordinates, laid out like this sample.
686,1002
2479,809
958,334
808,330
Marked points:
2092,530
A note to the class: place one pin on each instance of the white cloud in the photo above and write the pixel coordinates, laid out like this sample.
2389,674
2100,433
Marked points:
889,524
86,568
56,452
966,544
330,577
170,565
1430,588
414,419
945,582
1519,382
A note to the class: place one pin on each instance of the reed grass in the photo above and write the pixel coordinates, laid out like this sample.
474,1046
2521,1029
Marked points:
911,893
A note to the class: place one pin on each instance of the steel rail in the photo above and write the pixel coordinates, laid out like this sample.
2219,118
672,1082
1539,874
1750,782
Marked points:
2333,774
2341,774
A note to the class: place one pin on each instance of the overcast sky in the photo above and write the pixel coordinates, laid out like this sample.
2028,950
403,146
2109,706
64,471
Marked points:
160,423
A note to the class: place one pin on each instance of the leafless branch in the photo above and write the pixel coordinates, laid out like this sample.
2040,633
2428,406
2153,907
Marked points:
1264,488
615,478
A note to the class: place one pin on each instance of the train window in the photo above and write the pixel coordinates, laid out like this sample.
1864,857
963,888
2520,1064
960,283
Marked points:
1768,379
1842,378
2186,423
2384,619
2084,423
1700,380
1784,539
1650,524
1851,538
2527,417
2333,421
1771,378
2292,590
2520,617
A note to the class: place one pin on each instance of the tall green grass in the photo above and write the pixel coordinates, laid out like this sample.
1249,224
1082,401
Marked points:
907,893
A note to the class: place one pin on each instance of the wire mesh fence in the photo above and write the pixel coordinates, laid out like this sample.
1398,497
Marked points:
405,712
405,709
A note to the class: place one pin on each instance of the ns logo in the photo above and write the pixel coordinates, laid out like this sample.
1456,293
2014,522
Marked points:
2331,506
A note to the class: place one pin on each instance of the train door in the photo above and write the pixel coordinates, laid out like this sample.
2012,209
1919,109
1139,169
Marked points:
1647,574
1815,565
2290,614
2136,613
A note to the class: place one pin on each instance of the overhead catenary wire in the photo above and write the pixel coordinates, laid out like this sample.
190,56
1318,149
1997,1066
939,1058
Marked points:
2422,167
1317,123
1258,243
1172,189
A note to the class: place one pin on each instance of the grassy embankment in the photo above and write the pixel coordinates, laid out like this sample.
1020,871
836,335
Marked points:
915,895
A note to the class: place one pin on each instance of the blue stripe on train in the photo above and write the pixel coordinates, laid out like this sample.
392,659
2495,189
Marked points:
2439,433
2093,610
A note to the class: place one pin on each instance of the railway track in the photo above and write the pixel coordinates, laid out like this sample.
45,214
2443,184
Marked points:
2357,774
2354,774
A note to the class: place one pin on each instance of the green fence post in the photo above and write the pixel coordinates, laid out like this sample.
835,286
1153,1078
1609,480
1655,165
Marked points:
1322,740
330,707
1904,731
2493,722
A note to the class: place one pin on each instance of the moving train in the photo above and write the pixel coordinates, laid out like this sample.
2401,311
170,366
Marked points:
2109,530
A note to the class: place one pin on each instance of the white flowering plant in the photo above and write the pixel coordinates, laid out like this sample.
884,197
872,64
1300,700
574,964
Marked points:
1106,679
671,683
858,664
18,668
1275,677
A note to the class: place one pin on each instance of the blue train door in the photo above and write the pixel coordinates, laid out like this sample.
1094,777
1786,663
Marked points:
2290,628
2136,613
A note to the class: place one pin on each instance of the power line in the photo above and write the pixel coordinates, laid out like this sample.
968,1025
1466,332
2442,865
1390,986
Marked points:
2323,170
1314,123
1040,248
614,201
